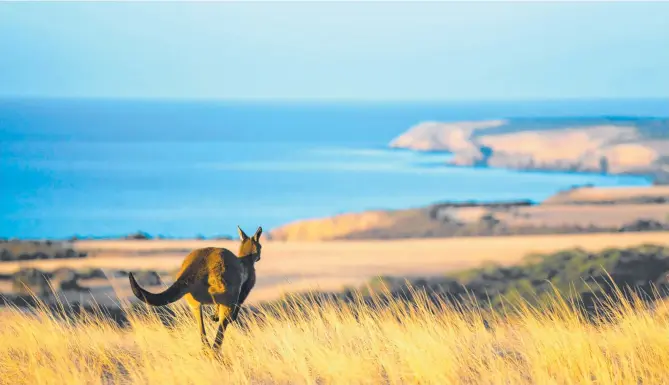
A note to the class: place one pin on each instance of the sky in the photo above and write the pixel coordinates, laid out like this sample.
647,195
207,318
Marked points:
335,50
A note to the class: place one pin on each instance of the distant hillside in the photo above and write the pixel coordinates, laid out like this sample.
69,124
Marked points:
577,210
611,195
612,145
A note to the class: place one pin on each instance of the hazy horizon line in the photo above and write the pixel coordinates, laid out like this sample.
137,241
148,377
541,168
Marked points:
331,100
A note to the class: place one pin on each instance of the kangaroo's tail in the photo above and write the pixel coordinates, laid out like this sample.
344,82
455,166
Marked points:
171,294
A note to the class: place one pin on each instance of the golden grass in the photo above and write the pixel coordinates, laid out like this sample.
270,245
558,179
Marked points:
345,345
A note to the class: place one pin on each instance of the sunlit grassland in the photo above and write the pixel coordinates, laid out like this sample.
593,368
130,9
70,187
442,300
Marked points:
334,343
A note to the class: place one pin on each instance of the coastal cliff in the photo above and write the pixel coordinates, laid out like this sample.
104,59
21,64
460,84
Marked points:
616,145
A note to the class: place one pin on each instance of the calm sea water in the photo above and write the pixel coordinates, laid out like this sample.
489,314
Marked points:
106,168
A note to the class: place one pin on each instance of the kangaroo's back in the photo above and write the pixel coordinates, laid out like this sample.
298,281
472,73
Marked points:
199,262
210,270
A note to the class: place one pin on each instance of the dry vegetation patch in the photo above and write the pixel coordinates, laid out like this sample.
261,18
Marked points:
334,343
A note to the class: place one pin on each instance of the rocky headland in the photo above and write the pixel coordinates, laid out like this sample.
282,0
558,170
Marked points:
609,145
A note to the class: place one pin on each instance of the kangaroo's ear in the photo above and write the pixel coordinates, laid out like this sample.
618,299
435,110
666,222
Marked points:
256,236
242,234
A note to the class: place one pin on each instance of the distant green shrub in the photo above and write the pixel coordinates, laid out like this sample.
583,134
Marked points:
576,274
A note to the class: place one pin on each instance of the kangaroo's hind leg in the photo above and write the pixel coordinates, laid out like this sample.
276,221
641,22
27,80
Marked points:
196,308
225,301
224,319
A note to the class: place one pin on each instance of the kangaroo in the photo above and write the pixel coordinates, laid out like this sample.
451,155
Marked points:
212,276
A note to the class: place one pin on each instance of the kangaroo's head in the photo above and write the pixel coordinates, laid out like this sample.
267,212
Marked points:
250,246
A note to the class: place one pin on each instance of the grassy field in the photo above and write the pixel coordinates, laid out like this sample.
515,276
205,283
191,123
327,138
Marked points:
335,344
350,343
328,266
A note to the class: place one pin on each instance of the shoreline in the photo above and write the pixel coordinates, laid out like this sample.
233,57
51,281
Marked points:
647,179
647,176
450,140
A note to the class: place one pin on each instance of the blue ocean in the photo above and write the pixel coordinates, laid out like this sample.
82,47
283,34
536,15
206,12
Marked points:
185,168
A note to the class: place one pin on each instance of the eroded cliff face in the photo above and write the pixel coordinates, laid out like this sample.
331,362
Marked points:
451,137
588,146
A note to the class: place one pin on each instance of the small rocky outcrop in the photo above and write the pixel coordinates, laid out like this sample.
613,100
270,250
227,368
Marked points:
6,255
92,273
643,225
30,281
21,250
139,235
147,278
66,279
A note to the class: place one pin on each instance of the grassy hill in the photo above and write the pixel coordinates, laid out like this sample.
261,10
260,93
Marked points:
582,209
